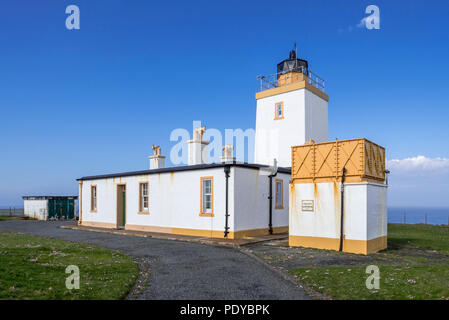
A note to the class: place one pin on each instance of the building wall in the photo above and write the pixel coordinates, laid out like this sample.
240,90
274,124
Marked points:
251,201
317,126
305,118
174,203
365,216
37,209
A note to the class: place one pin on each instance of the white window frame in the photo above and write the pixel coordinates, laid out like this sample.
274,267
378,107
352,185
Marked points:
144,198
207,210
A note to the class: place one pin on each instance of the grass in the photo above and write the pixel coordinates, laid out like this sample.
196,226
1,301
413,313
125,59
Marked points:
33,267
7,218
420,236
416,266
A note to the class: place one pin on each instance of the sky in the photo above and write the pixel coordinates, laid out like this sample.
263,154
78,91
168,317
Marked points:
91,101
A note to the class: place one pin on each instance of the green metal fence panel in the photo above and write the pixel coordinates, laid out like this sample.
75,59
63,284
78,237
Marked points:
61,208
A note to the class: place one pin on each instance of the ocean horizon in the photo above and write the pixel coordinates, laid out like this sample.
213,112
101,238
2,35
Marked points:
409,215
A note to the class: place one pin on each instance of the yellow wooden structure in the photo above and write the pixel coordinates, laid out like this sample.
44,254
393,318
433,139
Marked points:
323,162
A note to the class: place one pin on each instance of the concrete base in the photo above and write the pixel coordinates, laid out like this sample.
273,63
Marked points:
352,246
241,234
179,237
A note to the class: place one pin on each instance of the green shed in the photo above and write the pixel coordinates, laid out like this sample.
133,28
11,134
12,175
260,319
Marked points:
50,207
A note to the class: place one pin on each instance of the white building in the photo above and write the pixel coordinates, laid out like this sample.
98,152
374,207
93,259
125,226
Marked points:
338,196
227,199
234,200
50,207
291,110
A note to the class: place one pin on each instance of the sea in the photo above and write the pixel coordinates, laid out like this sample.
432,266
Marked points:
410,215
414,215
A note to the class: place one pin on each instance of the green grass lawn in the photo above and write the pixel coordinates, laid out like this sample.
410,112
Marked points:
7,218
416,266
33,267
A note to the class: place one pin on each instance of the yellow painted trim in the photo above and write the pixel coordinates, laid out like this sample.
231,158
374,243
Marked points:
108,225
141,210
292,87
352,246
231,235
136,227
282,194
258,232
348,179
206,214
206,233
275,110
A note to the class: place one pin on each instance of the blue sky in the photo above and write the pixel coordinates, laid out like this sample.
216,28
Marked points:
94,100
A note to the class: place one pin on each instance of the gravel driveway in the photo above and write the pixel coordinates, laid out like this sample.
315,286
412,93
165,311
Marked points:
181,270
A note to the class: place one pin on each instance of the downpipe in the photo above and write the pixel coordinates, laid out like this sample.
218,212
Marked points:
342,208
270,204
227,170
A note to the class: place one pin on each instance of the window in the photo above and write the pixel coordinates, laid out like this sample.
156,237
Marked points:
279,202
93,198
207,196
278,110
143,197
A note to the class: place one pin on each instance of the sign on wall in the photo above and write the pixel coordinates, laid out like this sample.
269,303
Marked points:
307,205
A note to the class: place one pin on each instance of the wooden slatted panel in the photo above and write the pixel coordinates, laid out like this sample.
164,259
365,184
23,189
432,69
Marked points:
316,162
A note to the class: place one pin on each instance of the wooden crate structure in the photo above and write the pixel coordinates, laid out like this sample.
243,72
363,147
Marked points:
324,162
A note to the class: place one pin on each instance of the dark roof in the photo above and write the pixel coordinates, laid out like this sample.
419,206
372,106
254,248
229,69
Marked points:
49,197
184,168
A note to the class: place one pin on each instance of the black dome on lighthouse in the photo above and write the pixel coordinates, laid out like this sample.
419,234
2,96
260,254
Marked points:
293,64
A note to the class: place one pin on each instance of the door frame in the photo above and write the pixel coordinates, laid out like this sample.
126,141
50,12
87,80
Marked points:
120,213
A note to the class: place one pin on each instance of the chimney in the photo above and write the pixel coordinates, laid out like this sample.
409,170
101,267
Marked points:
227,154
157,161
198,150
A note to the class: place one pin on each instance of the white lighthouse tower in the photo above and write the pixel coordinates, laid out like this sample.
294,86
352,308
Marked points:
291,110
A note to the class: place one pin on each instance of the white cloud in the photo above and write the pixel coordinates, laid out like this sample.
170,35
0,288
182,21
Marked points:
418,164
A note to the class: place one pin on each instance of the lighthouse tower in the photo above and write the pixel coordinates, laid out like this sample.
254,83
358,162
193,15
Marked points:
291,110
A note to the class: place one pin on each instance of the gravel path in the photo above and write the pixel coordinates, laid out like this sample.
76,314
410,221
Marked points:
180,270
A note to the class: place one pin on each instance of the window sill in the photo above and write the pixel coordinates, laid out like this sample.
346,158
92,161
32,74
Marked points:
281,207
93,211
143,212
203,214
279,118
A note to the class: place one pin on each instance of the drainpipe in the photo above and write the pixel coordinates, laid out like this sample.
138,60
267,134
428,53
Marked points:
270,203
227,170
342,208
274,172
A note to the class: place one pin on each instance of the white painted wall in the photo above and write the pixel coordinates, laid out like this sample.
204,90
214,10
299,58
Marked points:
365,210
317,127
174,200
305,118
37,209
251,207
